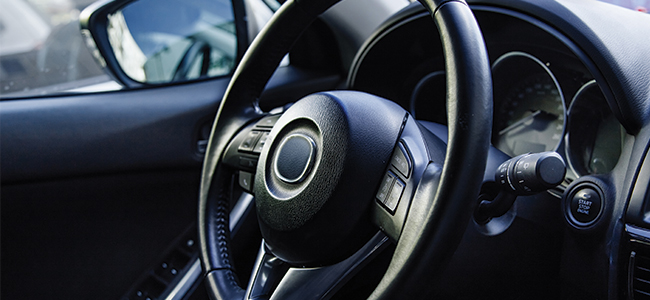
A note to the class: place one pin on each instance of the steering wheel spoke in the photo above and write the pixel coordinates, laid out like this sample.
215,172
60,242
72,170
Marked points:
417,150
243,152
273,278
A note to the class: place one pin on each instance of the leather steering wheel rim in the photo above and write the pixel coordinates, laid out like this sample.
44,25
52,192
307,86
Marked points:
430,236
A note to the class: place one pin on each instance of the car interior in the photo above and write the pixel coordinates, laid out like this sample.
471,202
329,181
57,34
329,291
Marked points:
441,149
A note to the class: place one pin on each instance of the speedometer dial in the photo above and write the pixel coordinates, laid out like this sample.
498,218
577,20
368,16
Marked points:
529,107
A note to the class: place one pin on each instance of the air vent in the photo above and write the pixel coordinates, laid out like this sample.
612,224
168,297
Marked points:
640,276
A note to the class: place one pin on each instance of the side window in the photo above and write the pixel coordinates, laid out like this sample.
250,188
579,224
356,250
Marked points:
160,41
44,51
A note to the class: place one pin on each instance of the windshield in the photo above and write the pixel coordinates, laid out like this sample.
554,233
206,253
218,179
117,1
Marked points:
42,51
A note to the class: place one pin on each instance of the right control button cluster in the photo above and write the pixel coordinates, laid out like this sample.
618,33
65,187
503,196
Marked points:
393,184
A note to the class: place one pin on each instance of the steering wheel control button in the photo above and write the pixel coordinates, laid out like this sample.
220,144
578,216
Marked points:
385,186
260,143
395,195
247,162
294,158
246,181
268,122
249,142
401,160
585,206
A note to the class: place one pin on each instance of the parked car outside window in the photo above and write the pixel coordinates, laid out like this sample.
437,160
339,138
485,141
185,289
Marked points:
43,52
52,57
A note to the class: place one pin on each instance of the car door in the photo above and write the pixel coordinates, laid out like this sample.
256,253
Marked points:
99,186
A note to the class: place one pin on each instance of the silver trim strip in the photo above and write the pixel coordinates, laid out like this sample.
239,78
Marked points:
238,211
194,273
183,286
637,231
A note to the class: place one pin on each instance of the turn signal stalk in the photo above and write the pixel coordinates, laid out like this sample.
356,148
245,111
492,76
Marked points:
527,174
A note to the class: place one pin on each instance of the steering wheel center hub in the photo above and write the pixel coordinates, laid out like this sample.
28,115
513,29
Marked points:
294,158
314,185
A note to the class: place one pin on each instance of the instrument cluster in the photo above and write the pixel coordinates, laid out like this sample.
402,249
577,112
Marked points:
545,99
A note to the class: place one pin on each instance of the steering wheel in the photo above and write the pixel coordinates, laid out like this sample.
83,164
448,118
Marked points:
339,175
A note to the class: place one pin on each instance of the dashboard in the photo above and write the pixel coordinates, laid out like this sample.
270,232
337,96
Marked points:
550,94
545,97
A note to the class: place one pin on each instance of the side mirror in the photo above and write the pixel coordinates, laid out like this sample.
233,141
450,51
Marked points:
153,42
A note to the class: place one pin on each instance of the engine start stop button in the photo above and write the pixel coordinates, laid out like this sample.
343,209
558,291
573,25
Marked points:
585,205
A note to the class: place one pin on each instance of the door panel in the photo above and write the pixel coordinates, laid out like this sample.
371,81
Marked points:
109,132
96,187
90,238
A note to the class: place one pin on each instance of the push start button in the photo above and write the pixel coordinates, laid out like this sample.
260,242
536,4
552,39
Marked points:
585,205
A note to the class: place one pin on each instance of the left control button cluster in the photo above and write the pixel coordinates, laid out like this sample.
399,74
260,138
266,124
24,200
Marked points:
254,141
249,142
244,150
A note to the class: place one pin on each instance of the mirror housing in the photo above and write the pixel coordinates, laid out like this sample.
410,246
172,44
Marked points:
152,42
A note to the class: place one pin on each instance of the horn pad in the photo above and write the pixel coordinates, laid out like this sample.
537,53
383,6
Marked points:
316,180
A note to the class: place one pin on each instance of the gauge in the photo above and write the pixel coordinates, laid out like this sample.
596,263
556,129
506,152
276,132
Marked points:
428,98
595,136
529,106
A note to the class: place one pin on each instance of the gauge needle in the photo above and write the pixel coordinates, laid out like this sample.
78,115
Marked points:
525,119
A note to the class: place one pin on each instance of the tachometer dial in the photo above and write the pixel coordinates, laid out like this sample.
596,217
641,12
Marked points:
595,138
529,107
